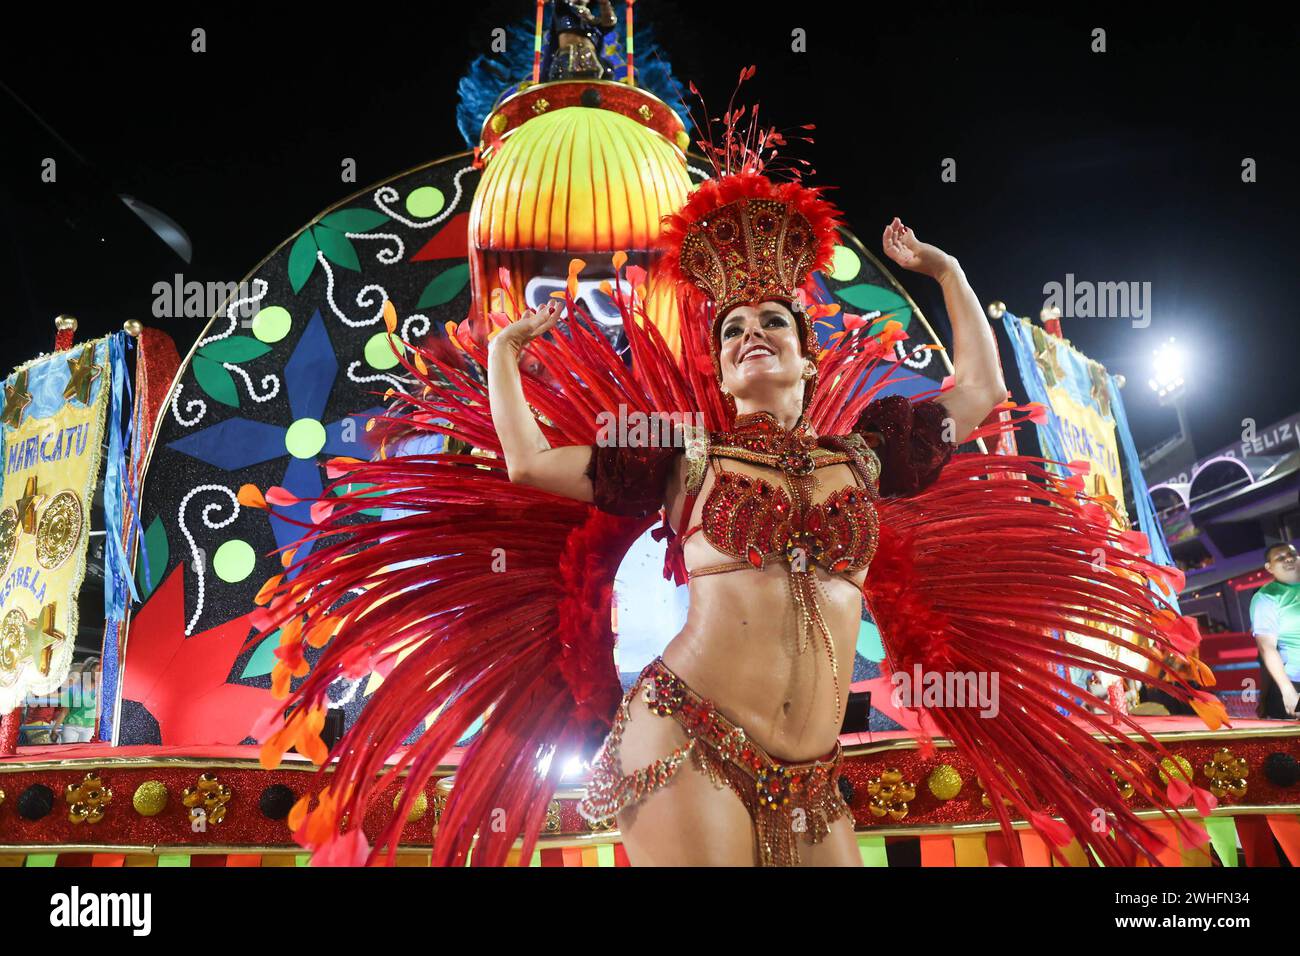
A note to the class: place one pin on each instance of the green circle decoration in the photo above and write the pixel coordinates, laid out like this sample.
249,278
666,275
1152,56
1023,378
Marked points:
272,324
234,561
379,350
425,202
845,264
305,438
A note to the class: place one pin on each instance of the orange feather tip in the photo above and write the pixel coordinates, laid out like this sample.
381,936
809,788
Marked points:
321,632
571,284
1210,709
268,590
390,316
619,259
250,496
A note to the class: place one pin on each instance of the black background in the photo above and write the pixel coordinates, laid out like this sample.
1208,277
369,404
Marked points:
1122,166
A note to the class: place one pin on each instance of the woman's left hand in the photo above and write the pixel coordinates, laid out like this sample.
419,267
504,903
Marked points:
903,247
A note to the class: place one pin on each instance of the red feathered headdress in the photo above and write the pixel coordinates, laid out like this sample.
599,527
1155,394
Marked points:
744,238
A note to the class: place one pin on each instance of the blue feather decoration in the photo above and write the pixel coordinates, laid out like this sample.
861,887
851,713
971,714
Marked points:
490,78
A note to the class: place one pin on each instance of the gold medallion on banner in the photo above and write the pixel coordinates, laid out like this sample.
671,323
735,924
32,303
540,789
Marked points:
8,538
13,646
59,530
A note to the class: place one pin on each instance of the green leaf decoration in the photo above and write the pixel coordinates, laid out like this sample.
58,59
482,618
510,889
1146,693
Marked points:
354,220
155,543
870,298
263,660
215,381
352,486
444,287
302,260
337,247
236,349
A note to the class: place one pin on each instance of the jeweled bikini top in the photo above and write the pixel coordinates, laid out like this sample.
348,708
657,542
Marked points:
757,521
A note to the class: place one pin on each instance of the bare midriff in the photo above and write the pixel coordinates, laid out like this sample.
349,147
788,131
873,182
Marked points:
740,645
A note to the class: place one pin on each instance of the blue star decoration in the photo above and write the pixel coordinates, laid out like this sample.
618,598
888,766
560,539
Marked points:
238,443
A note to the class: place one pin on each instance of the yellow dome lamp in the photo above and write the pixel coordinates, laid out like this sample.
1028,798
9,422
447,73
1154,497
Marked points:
536,99
581,168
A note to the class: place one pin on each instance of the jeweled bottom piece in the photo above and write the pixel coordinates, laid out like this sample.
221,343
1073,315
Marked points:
786,801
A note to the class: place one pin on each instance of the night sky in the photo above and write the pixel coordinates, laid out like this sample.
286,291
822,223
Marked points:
1123,166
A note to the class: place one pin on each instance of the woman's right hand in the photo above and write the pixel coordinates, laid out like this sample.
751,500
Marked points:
515,336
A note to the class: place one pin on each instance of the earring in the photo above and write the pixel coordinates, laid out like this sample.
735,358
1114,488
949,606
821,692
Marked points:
809,369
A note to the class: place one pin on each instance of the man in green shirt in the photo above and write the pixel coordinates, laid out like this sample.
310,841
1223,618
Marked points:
79,703
1275,622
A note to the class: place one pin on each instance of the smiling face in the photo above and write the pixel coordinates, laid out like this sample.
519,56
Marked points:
760,349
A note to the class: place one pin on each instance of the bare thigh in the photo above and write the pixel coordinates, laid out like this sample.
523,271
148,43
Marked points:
839,848
688,822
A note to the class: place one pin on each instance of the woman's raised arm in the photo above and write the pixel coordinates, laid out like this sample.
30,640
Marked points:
977,373
530,459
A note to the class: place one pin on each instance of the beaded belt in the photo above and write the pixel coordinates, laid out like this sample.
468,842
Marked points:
783,799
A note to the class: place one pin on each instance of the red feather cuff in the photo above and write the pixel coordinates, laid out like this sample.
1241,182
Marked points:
630,481
908,439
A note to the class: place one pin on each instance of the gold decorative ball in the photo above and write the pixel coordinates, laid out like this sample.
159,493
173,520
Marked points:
945,782
1167,768
418,809
133,327
65,322
498,123
150,798
997,310
2,797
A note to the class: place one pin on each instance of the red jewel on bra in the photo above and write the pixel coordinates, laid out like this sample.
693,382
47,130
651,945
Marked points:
755,557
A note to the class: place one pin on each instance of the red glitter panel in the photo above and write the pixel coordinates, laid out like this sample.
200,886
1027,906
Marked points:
928,810
244,824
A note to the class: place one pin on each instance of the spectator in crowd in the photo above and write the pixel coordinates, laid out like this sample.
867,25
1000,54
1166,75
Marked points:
1275,622
75,720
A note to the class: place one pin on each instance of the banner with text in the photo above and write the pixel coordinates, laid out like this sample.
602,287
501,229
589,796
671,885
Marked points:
53,429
